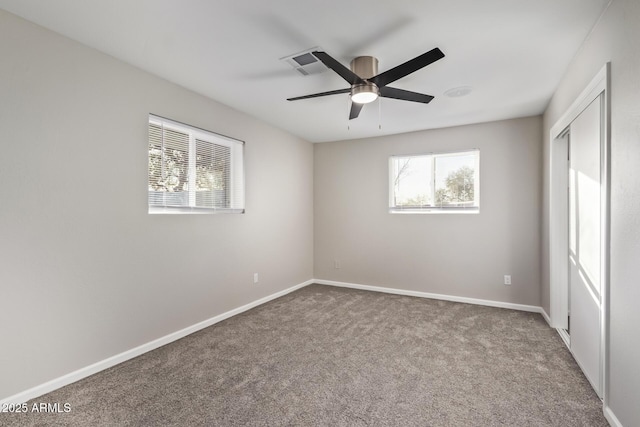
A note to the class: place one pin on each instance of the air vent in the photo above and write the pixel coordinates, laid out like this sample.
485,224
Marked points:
305,63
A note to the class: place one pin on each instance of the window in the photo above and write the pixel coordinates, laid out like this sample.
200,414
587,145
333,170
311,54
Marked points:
192,170
444,182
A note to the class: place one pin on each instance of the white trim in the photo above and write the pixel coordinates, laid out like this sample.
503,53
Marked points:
611,417
546,317
559,231
144,348
137,351
564,334
606,235
597,85
489,303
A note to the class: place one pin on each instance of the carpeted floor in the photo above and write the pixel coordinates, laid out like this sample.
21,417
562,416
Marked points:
327,356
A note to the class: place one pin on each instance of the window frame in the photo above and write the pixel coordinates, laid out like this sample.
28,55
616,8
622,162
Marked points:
236,169
432,209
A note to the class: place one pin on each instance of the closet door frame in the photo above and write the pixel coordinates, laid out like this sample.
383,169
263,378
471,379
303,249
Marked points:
558,214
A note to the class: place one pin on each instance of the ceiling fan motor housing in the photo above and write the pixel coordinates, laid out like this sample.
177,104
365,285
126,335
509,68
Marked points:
365,67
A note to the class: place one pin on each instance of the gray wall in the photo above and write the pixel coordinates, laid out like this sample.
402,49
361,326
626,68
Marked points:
453,254
614,39
85,272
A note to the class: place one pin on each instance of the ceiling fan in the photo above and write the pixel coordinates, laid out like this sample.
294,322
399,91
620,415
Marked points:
367,84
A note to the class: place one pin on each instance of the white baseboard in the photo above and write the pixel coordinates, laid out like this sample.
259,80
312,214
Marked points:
500,304
137,351
610,416
546,317
144,348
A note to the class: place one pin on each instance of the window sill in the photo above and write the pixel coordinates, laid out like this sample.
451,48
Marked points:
153,210
437,211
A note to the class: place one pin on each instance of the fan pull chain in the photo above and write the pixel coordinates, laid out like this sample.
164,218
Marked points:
379,114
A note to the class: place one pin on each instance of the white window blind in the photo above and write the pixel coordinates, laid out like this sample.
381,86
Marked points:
440,182
192,170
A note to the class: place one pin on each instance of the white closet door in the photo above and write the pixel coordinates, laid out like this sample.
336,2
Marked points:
585,241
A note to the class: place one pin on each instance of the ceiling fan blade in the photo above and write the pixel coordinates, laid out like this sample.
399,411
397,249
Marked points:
355,110
404,95
315,95
351,77
407,68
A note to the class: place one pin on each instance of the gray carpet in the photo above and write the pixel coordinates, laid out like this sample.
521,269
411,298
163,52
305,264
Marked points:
327,356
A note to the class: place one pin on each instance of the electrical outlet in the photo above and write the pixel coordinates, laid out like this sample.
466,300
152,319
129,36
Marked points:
255,278
507,279
336,264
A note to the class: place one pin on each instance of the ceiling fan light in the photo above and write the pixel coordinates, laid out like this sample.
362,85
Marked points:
364,97
364,94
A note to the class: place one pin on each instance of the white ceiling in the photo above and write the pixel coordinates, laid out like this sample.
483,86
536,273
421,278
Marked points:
512,52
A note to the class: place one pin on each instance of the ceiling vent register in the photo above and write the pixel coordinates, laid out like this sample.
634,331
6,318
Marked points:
305,63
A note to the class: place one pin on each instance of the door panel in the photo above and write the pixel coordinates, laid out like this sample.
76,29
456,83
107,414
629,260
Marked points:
585,241
585,327
589,230
585,178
